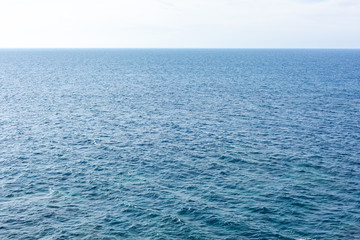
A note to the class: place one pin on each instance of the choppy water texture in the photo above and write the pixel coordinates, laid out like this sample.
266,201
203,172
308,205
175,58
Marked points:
180,144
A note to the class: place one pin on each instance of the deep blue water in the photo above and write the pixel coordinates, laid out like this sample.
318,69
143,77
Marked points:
179,144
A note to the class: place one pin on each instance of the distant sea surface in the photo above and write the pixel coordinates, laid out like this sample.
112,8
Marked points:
179,144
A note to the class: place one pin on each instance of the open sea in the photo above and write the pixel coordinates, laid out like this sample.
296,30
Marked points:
179,144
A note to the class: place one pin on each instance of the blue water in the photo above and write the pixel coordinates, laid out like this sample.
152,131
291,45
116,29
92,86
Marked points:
179,144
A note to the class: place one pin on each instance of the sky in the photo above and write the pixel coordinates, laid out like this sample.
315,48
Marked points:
179,23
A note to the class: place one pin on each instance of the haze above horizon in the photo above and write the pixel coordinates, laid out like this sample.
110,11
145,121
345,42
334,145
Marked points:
180,24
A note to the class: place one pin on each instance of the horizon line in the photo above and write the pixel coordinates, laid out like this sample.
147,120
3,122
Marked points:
179,48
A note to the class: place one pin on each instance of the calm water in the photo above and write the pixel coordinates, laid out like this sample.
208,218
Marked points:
179,144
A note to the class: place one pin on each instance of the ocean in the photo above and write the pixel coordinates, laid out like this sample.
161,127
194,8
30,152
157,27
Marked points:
179,144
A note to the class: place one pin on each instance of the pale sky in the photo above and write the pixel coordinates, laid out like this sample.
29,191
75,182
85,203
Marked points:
180,23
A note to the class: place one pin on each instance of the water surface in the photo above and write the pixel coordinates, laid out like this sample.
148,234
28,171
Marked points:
179,144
